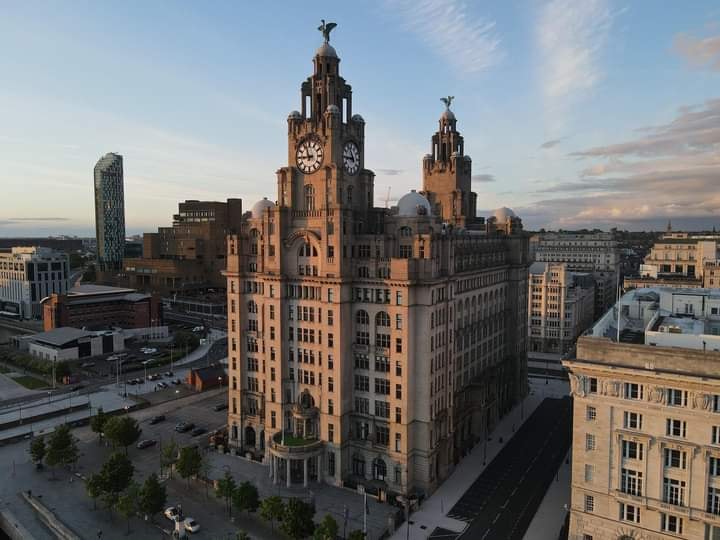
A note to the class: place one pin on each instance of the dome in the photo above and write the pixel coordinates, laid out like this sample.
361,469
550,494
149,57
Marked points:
447,115
294,115
503,214
413,204
258,209
332,109
326,50
358,118
468,158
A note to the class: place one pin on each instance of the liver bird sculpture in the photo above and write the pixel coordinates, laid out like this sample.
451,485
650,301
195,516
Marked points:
447,101
326,28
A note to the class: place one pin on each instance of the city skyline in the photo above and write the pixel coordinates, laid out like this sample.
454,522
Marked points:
585,158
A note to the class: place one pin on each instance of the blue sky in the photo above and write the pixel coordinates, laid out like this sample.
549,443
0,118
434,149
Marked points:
576,113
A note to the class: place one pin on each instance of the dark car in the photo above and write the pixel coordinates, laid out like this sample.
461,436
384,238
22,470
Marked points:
198,431
157,419
184,427
220,406
132,381
168,373
146,443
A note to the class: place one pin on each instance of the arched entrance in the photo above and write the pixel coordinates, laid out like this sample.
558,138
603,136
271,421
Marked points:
249,436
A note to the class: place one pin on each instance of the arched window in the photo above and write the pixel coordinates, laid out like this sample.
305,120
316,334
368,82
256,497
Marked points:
379,469
362,317
382,319
309,197
405,231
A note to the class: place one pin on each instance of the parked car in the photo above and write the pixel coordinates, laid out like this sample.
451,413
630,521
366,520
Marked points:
184,427
168,374
177,381
146,443
162,384
157,419
132,381
220,406
138,381
198,431
191,525
171,513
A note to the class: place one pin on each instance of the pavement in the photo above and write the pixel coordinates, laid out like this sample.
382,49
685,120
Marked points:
9,389
550,517
431,519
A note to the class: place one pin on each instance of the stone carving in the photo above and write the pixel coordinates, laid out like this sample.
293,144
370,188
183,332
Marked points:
611,388
326,28
657,394
577,385
447,101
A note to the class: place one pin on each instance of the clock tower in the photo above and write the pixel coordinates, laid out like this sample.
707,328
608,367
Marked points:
325,143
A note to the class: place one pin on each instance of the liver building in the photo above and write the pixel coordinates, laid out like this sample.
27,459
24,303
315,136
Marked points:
370,346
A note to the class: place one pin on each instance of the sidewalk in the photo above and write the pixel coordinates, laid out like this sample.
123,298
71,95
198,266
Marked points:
433,511
550,516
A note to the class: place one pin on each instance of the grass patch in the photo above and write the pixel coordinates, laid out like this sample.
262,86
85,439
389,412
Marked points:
3,369
30,382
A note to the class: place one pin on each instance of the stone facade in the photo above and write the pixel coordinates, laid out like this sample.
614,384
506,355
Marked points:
646,442
370,346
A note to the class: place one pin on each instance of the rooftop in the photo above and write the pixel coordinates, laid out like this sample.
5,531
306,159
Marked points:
91,289
60,336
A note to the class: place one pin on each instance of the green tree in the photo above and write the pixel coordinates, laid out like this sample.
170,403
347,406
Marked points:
62,448
117,473
224,490
272,510
357,534
189,463
245,497
127,503
97,422
37,450
327,530
184,339
242,535
152,496
297,520
169,455
122,431
95,487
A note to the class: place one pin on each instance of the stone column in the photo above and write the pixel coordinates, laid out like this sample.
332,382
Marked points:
305,472
287,468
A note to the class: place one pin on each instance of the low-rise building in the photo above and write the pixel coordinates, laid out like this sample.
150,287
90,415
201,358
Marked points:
71,344
98,306
27,275
207,378
682,254
646,422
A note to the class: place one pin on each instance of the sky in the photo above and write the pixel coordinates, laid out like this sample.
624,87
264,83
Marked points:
576,113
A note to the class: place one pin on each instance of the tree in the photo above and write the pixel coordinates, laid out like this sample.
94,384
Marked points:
297,520
117,474
225,489
62,448
37,450
95,486
152,496
245,497
272,510
122,431
184,339
169,455
127,503
189,463
357,534
327,530
242,535
97,423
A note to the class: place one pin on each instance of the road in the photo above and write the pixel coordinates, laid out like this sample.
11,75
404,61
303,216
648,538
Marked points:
501,503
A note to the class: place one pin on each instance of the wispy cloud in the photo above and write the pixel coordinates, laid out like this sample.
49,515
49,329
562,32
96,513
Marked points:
699,52
389,172
469,42
550,144
483,178
14,219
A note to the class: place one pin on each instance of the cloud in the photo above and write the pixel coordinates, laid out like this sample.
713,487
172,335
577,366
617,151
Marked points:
11,220
389,172
667,171
571,35
468,42
483,178
550,144
699,52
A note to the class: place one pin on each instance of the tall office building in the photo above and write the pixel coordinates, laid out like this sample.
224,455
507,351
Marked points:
646,422
370,346
109,212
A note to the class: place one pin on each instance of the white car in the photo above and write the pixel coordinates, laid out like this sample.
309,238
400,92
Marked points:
191,525
171,513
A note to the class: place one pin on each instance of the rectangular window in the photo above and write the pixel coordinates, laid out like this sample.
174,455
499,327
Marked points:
331,384
362,383
592,385
272,312
589,503
382,435
398,369
362,338
273,419
398,298
714,466
362,361
331,463
398,391
632,450
330,317
671,524
590,413
632,420
398,441
675,459
589,471
673,491
589,441
382,340
629,512
382,386
398,415
633,391
382,409
362,405
398,345
331,433
331,340
631,482
713,501
715,435
382,364
398,322
676,397
675,428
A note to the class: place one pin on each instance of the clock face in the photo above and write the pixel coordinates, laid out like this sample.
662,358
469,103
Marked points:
309,156
351,158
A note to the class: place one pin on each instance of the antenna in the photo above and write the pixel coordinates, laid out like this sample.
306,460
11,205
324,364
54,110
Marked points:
387,197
